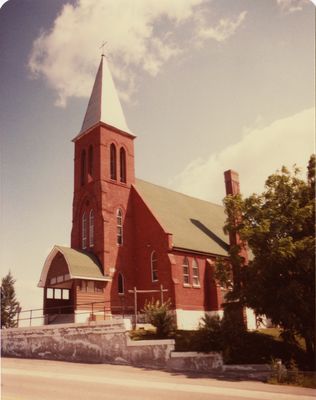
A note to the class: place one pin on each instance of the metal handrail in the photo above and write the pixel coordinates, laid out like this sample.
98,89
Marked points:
67,306
58,309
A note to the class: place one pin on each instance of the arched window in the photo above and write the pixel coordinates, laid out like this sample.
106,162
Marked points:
90,162
91,228
195,273
113,161
83,167
154,270
84,231
120,283
119,224
122,165
186,271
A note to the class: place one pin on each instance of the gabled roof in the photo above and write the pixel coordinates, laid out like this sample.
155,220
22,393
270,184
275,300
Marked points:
104,104
195,224
80,265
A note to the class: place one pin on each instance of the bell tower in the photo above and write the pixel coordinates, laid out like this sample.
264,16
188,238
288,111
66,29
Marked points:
103,175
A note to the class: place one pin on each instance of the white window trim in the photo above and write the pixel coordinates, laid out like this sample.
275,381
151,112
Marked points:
195,274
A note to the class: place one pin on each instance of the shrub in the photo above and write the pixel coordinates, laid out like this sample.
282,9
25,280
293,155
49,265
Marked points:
209,336
159,315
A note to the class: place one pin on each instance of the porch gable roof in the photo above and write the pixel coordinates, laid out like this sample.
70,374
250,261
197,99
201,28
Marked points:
80,265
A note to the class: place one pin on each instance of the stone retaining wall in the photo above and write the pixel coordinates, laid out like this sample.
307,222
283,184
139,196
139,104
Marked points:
109,342
195,362
97,342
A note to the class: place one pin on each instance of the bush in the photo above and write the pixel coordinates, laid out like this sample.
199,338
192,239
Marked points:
209,336
159,315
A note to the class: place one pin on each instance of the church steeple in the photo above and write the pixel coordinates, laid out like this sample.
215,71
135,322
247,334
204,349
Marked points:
104,172
104,104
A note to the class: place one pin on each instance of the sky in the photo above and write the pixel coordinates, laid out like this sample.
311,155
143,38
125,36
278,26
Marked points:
205,85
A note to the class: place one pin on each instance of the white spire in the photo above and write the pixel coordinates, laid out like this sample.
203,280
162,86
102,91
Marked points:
104,104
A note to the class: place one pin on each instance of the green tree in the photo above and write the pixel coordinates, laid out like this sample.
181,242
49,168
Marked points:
9,303
279,227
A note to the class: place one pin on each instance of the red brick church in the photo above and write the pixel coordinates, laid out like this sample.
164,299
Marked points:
128,234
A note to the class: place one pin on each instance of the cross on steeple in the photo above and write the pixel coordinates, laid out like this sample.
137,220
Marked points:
102,47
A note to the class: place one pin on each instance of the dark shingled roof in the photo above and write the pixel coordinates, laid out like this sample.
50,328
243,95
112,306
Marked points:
195,224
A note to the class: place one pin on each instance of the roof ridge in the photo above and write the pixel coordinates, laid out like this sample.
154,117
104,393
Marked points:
182,194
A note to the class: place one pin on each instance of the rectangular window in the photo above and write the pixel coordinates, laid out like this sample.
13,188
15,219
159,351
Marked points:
50,293
84,231
91,228
119,235
60,278
186,275
65,294
119,227
57,294
154,269
195,273
53,281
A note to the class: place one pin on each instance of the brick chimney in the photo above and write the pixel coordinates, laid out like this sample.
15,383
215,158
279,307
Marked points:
233,188
231,182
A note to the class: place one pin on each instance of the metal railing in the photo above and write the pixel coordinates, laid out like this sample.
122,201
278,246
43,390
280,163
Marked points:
47,315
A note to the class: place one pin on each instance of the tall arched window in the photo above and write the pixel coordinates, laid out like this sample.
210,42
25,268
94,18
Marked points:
119,224
186,271
90,162
91,228
84,231
154,269
122,165
195,273
83,167
113,161
120,283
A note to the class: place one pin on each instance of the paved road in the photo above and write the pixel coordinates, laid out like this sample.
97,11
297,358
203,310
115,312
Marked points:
53,380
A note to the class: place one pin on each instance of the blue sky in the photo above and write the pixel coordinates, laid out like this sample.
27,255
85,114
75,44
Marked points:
205,85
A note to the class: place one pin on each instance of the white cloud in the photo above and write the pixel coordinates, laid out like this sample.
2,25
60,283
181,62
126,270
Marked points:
258,154
67,55
291,6
225,28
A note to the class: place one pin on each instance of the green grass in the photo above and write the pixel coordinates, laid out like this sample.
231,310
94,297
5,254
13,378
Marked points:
301,379
276,332
143,334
